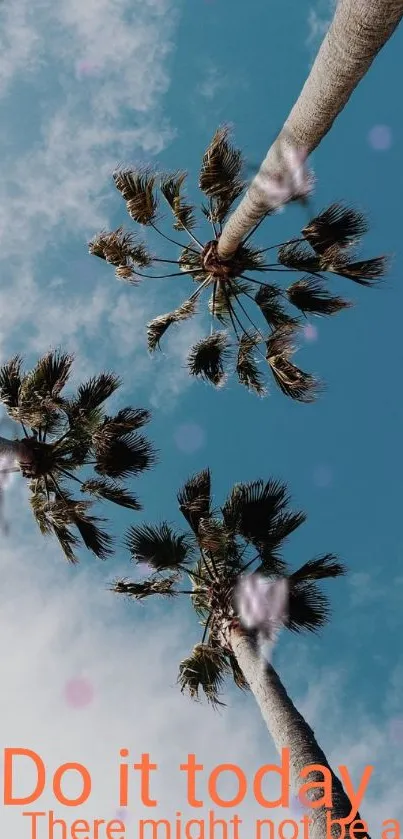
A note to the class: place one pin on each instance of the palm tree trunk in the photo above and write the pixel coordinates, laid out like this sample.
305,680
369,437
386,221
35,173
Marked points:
10,448
358,32
289,730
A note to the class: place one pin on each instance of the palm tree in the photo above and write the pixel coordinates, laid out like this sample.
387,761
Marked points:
252,313
63,435
359,30
247,533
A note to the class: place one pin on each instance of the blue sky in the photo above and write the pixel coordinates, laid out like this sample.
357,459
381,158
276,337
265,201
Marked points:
84,86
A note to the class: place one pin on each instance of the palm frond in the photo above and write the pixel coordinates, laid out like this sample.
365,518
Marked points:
237,674
194,499
299,257
74,448
171,186
207,358
206,212
309,608
222,298
57,516
137,188
110,491
248,258
127,274
96,539
213,538
281,528
220,175
159,546
205,669
292,381
127,419
120,249
337,225
321,568
39,399
163,587
10,381
48,377
95,391
191,263
268,298
157,327
251,507
119,427
311,295
366,272
123,456
246,366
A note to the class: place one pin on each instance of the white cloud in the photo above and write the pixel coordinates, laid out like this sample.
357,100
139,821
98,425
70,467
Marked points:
84,125
107,69
76,319
20,41
213,83
319,20
317,27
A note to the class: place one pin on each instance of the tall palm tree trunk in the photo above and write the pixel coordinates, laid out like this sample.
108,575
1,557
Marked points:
289,730
358,32
10,448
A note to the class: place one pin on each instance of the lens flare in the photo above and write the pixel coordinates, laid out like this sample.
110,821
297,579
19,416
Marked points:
78,692
189,437
380,137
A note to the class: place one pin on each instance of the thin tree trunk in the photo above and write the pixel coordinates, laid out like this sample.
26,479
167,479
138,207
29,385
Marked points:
357,33
289,730
10,448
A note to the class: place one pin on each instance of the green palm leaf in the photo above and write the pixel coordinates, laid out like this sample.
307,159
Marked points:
292,381
251,507
157,327
96,539
323,567
110,491
246,365
207,358
311,295
220,175
124,456
48,377
159,546
171,186
309,608
268,298
337,225
191,263
40,389
366,272
299,257
147,588
223,297
120,248
95,391
205,669
248,258
194,499
10,382
52,520
137,188
237,675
